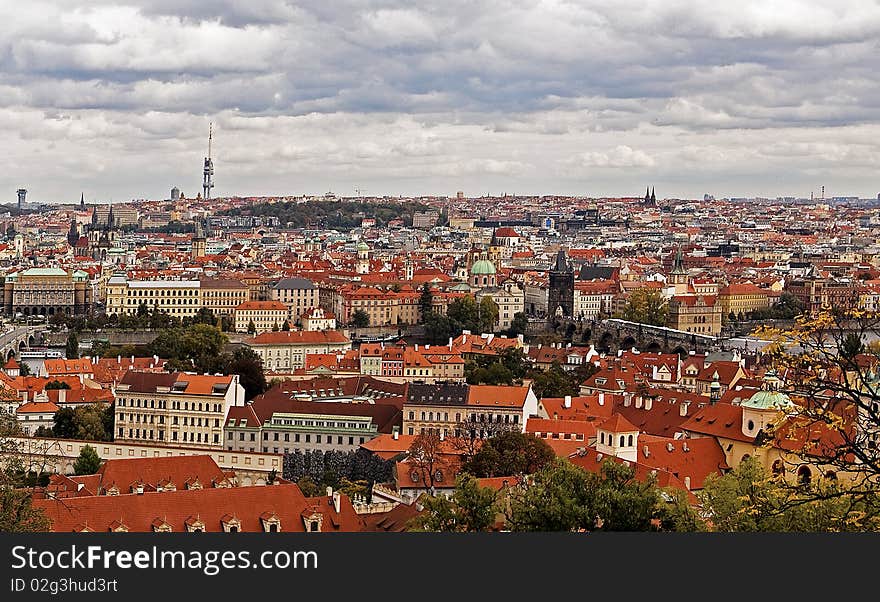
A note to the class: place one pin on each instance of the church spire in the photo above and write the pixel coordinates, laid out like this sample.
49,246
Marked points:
653,198
647,196
82,201
678,264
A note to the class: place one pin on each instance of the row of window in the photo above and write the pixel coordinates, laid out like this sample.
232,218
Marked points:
474,417
159,435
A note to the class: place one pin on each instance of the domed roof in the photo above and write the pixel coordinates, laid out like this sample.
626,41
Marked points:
482,267
768,400
362,246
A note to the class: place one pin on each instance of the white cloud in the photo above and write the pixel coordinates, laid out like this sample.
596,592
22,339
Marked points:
433,97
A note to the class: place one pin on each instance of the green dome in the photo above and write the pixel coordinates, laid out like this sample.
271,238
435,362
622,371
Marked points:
362,246
768,400
482,267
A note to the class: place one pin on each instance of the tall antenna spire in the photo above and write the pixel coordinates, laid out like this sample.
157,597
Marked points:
208,172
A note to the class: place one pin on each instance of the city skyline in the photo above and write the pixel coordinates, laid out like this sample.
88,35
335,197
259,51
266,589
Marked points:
594,99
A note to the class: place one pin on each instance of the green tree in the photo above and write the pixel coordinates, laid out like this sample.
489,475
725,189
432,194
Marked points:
488,315
249,367
510,454
56,384
88,461
24,369
555,382
196,346
438,329
71,348
89,422
471,508
464,314
17,483
646,307
360,319
564,497
426,302
519,324
251,328
747,499
275,327
285,327
65,425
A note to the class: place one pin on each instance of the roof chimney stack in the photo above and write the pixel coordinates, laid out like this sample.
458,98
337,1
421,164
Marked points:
567,401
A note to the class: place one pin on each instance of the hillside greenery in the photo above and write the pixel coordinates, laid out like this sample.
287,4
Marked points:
328,213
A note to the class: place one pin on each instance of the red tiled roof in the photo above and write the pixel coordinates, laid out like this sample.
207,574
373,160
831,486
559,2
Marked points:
300,337
137,513
617,424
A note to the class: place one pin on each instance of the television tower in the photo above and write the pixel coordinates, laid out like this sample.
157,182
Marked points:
208,172
22,193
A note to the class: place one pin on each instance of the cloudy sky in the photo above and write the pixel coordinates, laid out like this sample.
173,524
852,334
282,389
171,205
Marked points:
404,97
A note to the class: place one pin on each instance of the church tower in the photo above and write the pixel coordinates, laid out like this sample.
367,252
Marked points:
560,297
199,242
678,277
363,258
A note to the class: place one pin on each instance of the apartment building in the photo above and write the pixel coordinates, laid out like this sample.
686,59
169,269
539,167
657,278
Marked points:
175,407
286,351
178,298
298,294
264,315
448,407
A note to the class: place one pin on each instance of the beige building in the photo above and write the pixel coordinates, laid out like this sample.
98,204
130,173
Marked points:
223,295
446,408
298,294
741,299
318,319
174,407
700,314
264,315
286,351
47,291
178,298
509,298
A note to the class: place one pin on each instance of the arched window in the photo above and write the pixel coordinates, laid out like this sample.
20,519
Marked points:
629,441
805,475
602,438
751,425
621,441
778,468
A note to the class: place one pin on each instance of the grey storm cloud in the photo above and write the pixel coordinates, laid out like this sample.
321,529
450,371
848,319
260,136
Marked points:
409,97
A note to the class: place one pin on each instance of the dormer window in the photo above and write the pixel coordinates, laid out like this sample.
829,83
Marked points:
270,521
161,526
194,525
230,523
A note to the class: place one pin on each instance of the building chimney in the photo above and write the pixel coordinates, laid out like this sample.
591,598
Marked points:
687,483
395,433
567,401
683,408
336,501
329,492
442,435
132,359
601,398
62,395
119,360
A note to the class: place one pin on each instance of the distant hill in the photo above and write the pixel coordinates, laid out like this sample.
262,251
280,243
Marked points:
330,214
